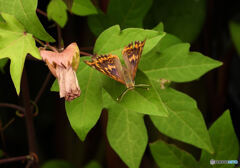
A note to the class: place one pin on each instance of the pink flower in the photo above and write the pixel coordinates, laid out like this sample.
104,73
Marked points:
63,66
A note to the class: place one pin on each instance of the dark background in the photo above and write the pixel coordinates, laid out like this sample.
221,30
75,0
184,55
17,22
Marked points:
215,92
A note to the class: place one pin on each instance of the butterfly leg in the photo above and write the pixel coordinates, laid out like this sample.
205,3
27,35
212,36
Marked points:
123,93
143,86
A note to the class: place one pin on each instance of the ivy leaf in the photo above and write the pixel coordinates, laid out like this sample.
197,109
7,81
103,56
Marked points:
177,64
183,18
113,40
57,10
57,164
83,7
151,102
25,12
127,134
126,13
15,44
159,27
84,112
224,141
170,156
235,34
184,121
167,41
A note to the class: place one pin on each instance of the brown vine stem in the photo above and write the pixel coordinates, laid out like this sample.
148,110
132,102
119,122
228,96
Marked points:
13,106
39,41
8,124
45,45
85,53
2,128
44,85
28,116
41,12
15,159
59,33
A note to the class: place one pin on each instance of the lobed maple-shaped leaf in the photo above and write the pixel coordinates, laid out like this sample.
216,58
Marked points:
113,40
15,44
25,12
184,122
177,64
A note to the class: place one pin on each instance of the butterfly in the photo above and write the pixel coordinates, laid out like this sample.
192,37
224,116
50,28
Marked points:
111,66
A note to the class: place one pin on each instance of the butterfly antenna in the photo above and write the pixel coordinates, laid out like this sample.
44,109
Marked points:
121,96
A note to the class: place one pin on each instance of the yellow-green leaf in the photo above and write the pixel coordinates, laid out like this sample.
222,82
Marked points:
15,44
25,13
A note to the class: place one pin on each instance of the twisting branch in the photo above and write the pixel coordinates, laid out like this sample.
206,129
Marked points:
15,159
8,124
13,106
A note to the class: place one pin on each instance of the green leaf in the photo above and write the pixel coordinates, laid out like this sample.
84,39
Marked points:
25,12
159,27
224,141
93,164
57,10
57,164
126,13
183,18
151,102
177,64
113,40
3,62
83,7
55,86
184,121
15,44
170,156
84,112
127,134
235,34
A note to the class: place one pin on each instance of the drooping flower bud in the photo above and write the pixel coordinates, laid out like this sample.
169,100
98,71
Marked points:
63,66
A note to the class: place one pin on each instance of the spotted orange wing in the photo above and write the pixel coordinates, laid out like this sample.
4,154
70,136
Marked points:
109,65
131,55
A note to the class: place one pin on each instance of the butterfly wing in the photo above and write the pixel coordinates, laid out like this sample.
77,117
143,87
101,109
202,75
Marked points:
109,65
131,55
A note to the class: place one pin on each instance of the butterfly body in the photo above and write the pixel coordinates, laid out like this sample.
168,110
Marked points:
111,66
